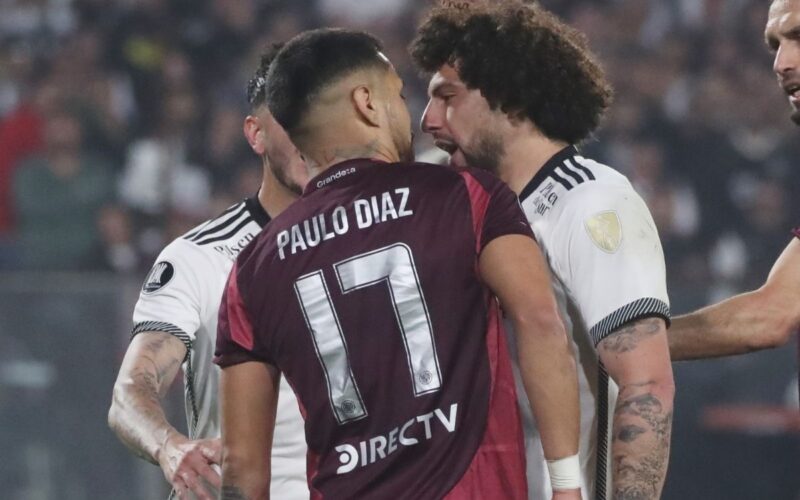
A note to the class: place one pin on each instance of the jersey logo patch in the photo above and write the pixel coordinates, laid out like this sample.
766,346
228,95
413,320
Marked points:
605,231
158,277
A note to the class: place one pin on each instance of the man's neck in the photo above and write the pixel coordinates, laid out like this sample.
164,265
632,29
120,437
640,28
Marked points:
328,157
274,196
524,157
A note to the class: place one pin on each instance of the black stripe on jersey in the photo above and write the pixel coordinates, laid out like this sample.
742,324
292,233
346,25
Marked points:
219,237
161,326
547,170
583,168
564,182
635,310
216,228
575,175
194,232
602,435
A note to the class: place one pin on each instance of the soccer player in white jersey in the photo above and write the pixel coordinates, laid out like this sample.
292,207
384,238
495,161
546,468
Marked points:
175,324
513,90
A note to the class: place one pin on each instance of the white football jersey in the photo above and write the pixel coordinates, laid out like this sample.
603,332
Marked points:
181,296
607,266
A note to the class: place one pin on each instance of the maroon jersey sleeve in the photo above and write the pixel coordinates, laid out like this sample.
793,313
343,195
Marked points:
796,231
235,340
495,208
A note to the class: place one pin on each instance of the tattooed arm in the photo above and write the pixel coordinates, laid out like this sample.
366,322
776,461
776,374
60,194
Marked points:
636,357
249,400
136,416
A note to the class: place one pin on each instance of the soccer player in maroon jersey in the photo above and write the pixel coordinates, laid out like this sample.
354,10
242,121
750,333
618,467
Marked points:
372,294
766,317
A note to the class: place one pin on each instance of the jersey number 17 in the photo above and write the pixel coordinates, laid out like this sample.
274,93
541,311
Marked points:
393,265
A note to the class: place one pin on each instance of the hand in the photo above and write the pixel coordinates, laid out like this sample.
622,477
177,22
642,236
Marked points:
567,494
187,465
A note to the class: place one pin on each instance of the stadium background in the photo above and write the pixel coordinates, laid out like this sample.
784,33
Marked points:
120,128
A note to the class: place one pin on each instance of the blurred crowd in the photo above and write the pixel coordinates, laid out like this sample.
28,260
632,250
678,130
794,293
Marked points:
120,123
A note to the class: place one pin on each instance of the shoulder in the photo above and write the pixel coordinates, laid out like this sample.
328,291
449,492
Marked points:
218,226
608,191
564,183
215,241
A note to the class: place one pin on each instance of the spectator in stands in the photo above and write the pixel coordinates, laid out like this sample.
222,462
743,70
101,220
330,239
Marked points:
57,197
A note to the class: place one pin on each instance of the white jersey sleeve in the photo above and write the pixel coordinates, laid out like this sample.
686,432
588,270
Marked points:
611,258
173,298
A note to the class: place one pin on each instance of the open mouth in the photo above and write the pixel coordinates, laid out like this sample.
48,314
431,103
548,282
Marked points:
792,90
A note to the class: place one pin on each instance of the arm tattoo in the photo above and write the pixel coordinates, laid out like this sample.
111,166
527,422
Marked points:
642,419
628,337
629,433
641,448
140,415
230,492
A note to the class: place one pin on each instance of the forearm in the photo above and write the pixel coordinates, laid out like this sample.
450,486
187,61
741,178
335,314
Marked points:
641,440
636,357
232,492
248,400
242,483
137,416
550,378
745,323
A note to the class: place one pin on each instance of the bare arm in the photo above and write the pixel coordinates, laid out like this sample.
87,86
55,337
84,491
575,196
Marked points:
514,268
137,417
249,399
752,321
636,357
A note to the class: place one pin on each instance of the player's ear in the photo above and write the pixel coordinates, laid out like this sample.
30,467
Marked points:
255,134
363,98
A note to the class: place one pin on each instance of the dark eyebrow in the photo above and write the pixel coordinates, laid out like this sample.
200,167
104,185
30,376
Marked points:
792,34
442,87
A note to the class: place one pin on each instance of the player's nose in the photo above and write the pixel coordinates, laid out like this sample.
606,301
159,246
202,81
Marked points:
431,118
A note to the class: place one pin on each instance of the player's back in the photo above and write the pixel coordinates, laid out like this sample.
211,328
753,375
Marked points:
366,295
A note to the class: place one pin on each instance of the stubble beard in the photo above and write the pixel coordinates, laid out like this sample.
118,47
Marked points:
486,153
284,179
405,147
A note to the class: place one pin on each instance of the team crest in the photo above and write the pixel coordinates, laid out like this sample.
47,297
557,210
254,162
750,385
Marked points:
605,230
158,277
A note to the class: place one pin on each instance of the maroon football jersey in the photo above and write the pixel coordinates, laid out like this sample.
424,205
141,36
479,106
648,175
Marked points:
365,295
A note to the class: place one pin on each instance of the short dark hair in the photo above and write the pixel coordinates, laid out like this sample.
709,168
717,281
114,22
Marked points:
256,87
311,61
524,61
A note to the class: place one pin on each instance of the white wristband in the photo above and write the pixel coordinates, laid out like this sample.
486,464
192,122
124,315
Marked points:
565,473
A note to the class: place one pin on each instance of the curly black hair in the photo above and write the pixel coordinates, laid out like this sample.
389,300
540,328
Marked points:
256,87
523,59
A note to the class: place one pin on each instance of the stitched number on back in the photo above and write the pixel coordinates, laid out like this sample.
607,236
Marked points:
393,266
